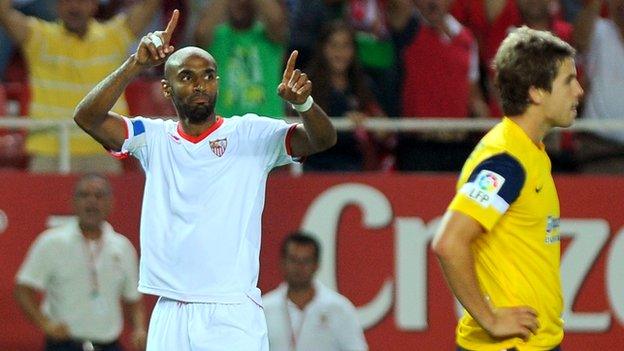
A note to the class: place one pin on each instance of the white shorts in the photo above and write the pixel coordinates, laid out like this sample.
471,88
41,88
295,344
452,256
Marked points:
181,326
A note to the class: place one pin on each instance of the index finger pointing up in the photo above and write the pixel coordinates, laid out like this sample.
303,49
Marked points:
290,65
173,22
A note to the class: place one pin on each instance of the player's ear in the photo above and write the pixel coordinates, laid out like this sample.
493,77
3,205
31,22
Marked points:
536,95
166,88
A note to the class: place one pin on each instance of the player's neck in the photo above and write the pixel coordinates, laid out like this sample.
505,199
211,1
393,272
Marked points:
301,296
196,129
535,128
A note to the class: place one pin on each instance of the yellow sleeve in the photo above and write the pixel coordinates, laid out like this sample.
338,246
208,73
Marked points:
486,216
490,189
118,31
38,36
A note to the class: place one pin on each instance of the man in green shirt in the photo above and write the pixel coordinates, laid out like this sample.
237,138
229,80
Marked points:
247,38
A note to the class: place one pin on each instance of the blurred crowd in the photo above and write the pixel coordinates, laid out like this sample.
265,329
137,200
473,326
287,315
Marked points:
366,59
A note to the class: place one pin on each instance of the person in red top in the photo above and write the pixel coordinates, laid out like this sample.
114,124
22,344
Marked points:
490,21
440,76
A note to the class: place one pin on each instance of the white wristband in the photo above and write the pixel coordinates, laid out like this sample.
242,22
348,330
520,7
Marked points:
305,106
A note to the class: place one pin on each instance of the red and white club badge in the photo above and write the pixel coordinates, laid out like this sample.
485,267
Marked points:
218,146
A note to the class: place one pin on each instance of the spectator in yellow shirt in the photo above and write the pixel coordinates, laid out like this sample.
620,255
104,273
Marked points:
66,59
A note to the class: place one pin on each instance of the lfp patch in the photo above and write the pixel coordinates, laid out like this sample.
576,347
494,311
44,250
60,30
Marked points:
489,181
484,187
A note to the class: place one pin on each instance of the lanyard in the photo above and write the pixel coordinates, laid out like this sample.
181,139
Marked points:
294,335
92,258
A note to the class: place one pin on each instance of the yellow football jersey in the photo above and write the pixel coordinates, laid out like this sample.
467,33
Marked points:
507,186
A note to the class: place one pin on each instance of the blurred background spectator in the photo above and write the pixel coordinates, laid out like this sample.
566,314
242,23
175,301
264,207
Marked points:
247,39
305,19
412,58
570,9
44,9
375,50
491,20
440,78
304,315
88,272
602,46
52,51
342,89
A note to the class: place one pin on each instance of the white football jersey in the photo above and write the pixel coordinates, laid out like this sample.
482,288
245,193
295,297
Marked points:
202,204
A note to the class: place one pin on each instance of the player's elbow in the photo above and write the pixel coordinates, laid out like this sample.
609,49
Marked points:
82,118
327,142
79,117
443,246
438,248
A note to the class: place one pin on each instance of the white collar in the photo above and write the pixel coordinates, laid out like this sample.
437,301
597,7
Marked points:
107,228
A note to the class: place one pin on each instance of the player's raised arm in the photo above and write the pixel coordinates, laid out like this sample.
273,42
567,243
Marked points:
317,133
93,112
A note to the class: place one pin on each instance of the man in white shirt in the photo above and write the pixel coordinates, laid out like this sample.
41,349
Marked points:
86,271
304,315
204,192
600,41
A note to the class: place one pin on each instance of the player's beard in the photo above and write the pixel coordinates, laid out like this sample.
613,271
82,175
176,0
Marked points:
195,113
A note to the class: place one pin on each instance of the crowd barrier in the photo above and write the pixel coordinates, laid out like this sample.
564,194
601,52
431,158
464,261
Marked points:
64,128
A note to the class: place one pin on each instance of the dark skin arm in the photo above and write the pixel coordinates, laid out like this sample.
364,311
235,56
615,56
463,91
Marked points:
317,133
94,116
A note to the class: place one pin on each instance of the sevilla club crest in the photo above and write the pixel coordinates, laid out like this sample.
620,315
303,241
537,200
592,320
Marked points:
218,146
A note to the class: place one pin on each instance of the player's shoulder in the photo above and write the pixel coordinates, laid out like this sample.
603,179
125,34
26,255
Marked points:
250,118
253,122
493,153
500,159
152,121
141,125
498,169
499,144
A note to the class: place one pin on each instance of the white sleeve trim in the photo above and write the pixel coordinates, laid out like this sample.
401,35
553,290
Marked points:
485,199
